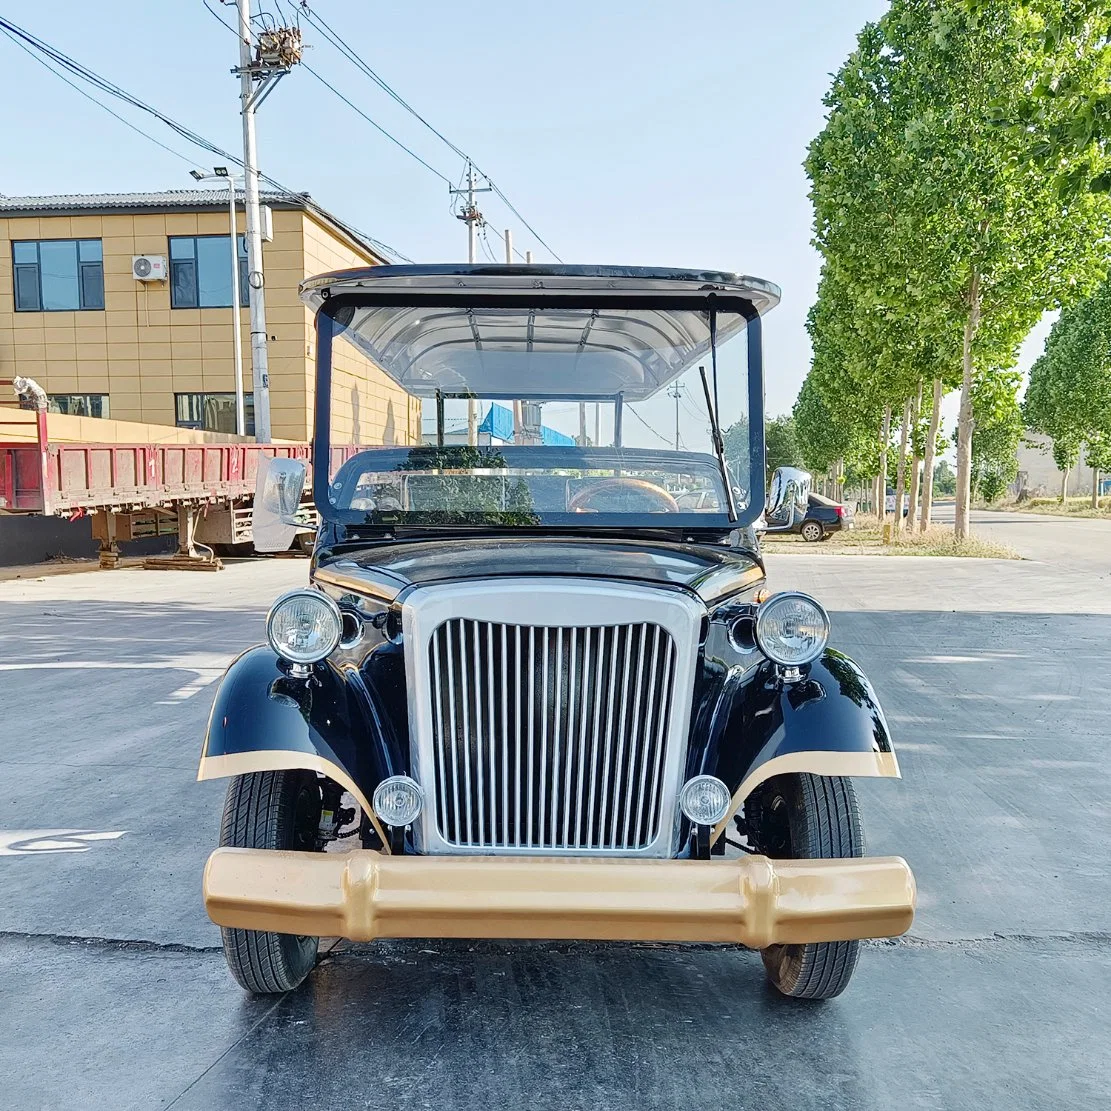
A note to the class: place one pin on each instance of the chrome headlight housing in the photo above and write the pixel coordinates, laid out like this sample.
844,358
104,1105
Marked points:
792,629
304,626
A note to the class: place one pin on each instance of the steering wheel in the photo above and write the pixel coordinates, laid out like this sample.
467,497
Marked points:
665,503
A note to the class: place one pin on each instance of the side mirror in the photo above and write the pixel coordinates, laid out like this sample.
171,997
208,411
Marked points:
788,497
278,489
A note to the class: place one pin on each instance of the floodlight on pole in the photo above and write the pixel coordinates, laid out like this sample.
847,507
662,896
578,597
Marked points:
220,173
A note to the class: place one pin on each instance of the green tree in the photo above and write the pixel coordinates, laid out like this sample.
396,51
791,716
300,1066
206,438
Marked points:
781,446
1069,395
998,432
945,480
931,207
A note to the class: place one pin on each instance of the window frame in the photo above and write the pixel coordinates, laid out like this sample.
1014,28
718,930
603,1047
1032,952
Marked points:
53,400
198,402
193,263
83,272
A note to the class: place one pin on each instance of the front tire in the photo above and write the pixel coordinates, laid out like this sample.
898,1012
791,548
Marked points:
807,817
812,532
270,810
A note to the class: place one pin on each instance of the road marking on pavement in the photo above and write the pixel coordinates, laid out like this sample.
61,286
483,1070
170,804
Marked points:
25,842
206,668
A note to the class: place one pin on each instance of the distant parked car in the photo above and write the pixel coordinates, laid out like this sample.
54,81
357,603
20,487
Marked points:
824,516
889,504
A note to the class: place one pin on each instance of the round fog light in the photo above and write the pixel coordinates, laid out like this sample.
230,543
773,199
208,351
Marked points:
704,800
398,800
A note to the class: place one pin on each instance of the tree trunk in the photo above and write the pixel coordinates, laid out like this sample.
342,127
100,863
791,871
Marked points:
915,463
1065,485
885,435
901,468
928,458
840,480
1095,487
965,421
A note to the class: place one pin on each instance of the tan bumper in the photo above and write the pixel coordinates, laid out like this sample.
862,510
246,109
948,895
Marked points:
755,901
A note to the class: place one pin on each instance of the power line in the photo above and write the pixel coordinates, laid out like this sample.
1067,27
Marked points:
100,104
341,44
373,123
630,409
90,77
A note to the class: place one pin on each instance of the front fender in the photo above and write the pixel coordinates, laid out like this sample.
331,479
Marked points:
828,723
264,720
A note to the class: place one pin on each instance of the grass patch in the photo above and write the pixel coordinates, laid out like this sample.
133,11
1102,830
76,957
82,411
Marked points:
867,539
1053,507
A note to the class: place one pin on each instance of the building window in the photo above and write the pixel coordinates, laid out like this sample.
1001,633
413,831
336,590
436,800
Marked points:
200,272
213,412
58,275
79,404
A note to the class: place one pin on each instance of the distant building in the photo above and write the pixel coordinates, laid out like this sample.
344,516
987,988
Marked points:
102,342
1040,473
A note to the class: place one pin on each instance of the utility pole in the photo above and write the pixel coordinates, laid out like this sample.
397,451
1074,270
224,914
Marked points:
221,174
676,391
473,219
508,247
279,49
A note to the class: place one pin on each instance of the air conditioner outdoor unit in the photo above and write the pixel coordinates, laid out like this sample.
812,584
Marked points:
148,268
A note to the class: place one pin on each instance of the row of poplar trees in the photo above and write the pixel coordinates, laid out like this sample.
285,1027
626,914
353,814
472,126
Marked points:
960,190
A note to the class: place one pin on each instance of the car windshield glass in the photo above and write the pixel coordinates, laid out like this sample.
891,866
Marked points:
526,485
536,415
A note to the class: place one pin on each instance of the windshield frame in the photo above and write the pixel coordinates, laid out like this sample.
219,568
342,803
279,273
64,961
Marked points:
328,328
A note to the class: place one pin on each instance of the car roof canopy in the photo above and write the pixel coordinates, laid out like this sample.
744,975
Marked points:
536,331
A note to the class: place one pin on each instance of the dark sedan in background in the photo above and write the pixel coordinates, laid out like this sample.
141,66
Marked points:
823,516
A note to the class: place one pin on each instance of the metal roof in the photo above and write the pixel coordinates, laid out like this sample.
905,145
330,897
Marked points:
498,278
172,200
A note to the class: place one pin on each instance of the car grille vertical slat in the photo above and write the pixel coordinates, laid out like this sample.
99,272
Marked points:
549,737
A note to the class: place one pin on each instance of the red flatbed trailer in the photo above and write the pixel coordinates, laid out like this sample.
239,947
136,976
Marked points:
203,491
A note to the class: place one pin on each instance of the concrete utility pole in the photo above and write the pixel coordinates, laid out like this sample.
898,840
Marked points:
508,247
473,219
259,70
676,391
260,365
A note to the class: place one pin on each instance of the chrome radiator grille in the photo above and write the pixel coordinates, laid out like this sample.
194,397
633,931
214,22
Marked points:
549,737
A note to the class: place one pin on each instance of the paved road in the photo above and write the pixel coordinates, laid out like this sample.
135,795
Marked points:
113,993
1081,544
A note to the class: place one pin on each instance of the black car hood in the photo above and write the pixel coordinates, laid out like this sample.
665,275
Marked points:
712,572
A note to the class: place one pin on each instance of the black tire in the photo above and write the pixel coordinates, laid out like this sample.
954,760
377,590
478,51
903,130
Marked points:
806,817
270,810
812,531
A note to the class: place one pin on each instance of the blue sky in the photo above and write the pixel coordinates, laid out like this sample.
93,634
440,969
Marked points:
626,131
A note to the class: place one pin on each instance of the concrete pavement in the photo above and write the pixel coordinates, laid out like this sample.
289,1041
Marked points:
1080,544
113,992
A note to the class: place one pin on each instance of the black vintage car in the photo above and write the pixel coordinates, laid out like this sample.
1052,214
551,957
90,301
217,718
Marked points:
530,693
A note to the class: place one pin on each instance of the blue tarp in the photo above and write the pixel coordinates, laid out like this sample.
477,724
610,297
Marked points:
499,426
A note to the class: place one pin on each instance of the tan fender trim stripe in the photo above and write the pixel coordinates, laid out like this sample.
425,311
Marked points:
276,760
817,762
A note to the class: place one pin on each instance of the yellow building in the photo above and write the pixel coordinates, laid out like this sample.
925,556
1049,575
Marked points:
103,342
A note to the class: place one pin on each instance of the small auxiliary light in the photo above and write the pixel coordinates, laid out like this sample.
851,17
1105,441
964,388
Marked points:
704,800
398,801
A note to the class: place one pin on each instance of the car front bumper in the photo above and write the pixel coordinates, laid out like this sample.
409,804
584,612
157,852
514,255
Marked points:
753,901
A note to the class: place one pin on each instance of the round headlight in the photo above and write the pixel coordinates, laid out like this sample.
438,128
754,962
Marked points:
398,800
791,629
304,626
704,799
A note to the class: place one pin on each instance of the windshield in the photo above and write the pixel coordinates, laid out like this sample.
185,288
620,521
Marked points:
537,414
